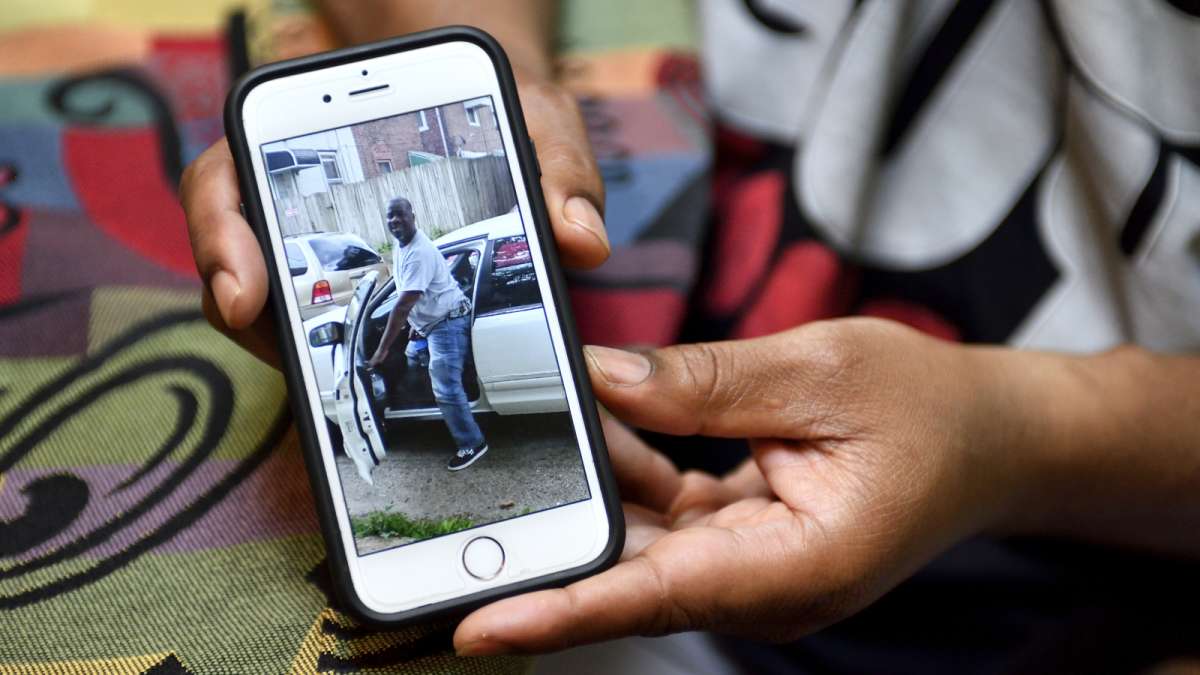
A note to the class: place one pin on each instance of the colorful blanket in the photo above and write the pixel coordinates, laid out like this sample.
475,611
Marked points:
154,512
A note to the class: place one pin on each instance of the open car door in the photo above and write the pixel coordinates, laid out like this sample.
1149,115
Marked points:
362,435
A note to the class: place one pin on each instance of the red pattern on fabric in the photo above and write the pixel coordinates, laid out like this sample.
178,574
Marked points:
192,72
734,148
922,318
12,258
647,316
745,235
735,153
117,177
807,283
678,76
678,69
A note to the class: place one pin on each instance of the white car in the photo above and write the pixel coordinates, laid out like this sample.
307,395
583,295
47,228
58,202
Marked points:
511,368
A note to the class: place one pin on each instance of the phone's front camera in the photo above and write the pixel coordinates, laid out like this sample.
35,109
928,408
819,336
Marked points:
364,73
327,98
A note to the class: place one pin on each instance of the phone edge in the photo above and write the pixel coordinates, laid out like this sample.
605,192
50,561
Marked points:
253,209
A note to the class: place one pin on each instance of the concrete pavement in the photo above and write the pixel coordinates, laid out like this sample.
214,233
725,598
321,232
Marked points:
532,464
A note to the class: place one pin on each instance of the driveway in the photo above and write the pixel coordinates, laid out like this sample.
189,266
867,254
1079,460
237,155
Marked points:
532,464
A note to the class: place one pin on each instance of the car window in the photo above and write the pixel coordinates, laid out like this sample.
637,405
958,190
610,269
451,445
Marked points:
339,252
512,281
384,308
462,267
297,265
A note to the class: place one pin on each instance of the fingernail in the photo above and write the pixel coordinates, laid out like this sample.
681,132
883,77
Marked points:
619,367
225,290
582,214
482,648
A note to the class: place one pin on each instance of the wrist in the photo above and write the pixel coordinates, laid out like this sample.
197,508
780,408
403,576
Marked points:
1046,434
999,438
1098,447
1028,416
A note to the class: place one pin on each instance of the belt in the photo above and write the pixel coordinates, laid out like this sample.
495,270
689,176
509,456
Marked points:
463,309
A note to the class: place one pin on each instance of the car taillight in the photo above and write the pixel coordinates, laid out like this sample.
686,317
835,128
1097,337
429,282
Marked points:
321,292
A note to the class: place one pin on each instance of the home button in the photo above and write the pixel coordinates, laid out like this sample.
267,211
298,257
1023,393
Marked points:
483,558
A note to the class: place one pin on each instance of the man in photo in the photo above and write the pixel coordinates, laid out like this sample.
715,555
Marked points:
433,305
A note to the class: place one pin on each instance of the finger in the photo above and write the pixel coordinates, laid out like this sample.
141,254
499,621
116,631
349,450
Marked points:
644,475
812,478
571,182
258,339
643,527
700,495
749,388
747,480
227,254
689,579
749,511
704,496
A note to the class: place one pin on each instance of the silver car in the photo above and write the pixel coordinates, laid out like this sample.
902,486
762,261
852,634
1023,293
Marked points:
326,266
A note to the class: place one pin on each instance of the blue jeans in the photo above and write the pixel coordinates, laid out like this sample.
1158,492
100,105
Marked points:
448,343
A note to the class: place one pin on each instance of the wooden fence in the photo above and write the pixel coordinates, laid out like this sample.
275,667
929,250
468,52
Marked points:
445,194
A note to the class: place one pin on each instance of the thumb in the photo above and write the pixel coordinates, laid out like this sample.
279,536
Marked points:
570,180
742,389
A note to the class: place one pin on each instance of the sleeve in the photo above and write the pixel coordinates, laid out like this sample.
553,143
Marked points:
416,272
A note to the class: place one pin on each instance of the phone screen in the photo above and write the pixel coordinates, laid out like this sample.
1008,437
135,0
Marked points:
425,323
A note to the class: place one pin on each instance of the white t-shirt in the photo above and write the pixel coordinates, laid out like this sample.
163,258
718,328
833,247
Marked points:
419,266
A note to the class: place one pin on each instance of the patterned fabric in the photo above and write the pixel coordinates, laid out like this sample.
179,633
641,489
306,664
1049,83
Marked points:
155,515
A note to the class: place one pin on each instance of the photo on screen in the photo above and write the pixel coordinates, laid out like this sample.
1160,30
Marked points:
424,323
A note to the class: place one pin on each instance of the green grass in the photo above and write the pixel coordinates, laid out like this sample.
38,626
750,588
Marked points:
391,525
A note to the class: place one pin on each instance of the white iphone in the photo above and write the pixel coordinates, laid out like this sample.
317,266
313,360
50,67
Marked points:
435,374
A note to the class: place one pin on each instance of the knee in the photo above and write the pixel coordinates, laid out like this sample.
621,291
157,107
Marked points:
442,380
438,370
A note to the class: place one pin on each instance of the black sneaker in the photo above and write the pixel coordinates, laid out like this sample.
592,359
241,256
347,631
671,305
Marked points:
467,457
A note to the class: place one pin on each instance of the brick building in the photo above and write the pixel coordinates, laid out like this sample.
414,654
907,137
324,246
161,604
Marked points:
471,128
385,145
465,129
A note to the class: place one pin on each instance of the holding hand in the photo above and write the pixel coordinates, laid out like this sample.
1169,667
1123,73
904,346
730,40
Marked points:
874,448
377,358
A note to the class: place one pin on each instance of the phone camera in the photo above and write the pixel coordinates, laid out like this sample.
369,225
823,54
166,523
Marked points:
327,98
364,73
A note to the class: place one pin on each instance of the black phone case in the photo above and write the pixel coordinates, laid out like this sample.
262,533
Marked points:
304,419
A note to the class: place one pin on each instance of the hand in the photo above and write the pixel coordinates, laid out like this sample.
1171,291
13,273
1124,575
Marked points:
380,354
231,263
874,448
